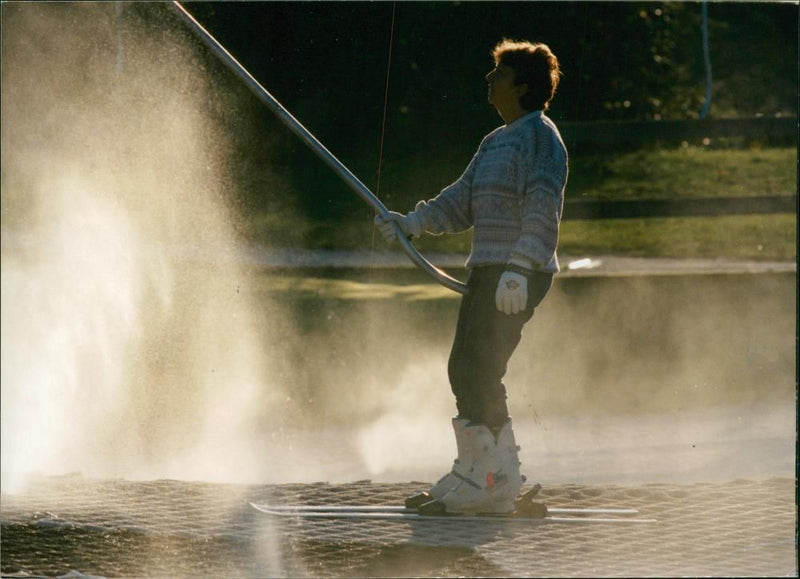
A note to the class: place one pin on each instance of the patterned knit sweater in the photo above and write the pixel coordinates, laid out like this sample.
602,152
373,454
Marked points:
512,193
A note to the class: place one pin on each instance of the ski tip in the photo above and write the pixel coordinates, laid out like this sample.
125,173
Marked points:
263,508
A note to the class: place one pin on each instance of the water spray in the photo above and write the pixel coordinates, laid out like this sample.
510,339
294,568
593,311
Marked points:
132,343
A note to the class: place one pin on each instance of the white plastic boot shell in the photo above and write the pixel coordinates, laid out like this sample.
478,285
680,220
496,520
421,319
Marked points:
461,464
494,478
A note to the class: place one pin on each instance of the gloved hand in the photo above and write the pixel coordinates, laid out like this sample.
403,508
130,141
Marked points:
410,225
512,293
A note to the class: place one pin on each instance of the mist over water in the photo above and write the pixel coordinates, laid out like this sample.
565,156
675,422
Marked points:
128,347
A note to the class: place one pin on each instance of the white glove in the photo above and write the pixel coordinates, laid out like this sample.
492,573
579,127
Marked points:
512,293
410,225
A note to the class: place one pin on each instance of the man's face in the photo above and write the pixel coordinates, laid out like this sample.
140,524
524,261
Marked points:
503,93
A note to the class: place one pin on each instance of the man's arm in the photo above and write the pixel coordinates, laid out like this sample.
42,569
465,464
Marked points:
451,210
448,212
542,204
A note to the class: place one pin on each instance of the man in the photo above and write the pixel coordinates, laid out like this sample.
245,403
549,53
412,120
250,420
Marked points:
512,194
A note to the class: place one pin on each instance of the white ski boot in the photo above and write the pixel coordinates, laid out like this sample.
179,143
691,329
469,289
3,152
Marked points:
493,480
448,482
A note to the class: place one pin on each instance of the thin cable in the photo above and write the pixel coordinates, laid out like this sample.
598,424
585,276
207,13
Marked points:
383,123
385,101
707,62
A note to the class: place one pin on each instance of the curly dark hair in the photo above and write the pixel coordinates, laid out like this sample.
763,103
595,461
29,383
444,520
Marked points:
534,64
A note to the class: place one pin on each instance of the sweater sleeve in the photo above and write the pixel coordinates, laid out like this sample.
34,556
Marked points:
545,161
451,210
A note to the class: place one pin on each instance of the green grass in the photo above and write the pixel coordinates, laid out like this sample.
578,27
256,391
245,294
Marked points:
682,172
757,237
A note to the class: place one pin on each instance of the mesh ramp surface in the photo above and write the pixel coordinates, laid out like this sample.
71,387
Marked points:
173,528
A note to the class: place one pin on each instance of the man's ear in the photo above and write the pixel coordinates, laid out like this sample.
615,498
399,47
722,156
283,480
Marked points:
521,89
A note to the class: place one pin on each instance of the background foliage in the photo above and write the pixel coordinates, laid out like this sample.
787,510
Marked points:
327,62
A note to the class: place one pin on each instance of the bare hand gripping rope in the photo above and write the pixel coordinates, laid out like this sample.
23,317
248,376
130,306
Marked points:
298,129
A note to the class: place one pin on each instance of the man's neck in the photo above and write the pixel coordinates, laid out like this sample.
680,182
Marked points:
512,115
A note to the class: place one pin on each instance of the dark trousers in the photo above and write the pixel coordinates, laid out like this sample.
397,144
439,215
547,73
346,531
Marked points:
484,341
